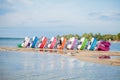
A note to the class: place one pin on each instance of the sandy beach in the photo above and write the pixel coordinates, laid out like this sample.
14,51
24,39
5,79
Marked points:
84,55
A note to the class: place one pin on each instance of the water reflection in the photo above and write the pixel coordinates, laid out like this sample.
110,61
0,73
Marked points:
48,66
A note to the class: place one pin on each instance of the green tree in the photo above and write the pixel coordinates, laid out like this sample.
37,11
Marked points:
118,36
77,36
90,35
58,37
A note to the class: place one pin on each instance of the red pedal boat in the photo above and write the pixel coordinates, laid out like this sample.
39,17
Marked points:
43,42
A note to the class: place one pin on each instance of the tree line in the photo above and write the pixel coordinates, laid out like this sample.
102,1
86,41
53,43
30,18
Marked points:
99,36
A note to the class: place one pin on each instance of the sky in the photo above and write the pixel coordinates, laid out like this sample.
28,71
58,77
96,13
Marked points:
20,18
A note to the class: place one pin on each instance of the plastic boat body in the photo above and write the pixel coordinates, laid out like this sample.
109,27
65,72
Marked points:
92,44
52,43
34,41
103,46
106,43
43,42
25,44
71,43
62,43
74,43
82,43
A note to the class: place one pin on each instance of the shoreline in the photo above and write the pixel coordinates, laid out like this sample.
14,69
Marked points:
114,41
83,55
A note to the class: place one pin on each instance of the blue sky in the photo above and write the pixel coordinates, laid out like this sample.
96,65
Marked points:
19,18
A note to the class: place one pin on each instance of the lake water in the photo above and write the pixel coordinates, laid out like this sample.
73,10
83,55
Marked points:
47,66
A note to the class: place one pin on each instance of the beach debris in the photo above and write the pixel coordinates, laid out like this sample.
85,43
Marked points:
70,53
104,57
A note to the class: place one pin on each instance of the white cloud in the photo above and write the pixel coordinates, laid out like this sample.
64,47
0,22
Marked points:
29,2
105,16
56,16
36,15
10,1
48,13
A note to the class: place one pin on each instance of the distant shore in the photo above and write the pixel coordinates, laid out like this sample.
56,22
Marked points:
115,41
84,55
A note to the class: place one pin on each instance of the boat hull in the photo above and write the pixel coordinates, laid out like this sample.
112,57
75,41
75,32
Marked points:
61,46
52,43
103,46
35,39
82,43
25,43
92,44
71,44
43,43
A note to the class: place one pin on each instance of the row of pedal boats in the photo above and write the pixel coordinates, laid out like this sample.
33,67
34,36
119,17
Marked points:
63,43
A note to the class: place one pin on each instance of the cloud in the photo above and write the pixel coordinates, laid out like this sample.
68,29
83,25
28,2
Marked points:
52,13
106,16
54,21
94,14
76,16
8,6
28,13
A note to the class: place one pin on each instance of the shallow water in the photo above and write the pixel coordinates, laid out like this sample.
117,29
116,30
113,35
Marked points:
48,66
10,42
115,46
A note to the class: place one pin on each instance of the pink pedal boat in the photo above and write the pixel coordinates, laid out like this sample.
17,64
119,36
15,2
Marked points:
103,46
52,43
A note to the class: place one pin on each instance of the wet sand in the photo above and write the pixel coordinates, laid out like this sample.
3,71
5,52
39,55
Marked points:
84,55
